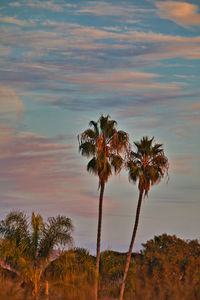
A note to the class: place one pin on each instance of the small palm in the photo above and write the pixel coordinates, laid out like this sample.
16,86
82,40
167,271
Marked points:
27,251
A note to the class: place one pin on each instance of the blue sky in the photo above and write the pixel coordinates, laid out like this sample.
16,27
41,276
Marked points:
64,63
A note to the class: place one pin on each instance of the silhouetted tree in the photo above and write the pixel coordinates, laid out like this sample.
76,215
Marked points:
147,166
105,144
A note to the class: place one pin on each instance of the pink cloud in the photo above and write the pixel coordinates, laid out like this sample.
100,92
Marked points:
190,114
15,21
170,46
195,107
122,80
45,171
147,102
31,164
182,13
12,20
107,9
49,5
157,46
10,103
4,52
184,165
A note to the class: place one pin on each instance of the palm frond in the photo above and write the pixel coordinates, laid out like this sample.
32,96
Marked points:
15,227
103,122
57,231
87,149
92,166
37,225
95,126
88,135
116,162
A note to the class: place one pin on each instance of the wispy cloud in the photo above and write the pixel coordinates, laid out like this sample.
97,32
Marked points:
182,13
36,165
4,52
47,5
185,165
12,20
36,170
185,76
121,80
10,103
89,41
177,113
111,9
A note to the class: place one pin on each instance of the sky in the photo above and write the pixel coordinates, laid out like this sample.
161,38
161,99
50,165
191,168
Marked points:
64,63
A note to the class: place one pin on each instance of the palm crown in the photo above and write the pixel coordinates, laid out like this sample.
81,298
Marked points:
148,164
105,145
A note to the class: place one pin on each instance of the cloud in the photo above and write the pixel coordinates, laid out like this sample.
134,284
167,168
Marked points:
182,13
36,171
174,112
49,5
111,58
190,113
120,80
45,5
185,76
187,119
10,103
147,45
195,107
15,4
70,41
4,52
12,20
107,9
160,46
184,165
144,103
36,165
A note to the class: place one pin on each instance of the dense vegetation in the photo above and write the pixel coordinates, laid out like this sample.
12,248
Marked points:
168,268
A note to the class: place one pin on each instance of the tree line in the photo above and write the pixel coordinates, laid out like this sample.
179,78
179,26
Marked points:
166,269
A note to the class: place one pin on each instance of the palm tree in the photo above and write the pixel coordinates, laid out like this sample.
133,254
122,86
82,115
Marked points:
27,252
147,166
105,144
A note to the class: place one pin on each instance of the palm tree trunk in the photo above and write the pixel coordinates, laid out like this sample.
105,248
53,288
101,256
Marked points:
47,289
99,238
36,287
131,245
37,277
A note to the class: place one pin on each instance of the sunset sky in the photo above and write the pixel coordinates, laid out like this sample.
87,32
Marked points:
64,63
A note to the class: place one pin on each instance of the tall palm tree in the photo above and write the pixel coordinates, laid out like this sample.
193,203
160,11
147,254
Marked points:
106,145
147,166
27,252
